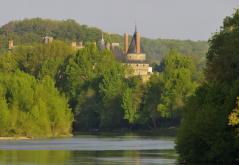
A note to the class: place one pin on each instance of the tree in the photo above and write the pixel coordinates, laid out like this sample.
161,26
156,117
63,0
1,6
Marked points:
94,82
151,100
178,84
205,130
32,108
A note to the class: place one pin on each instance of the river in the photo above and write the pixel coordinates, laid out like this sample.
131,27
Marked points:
89,149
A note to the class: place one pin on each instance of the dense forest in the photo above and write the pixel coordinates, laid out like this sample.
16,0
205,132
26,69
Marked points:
91,85
209,129
52,89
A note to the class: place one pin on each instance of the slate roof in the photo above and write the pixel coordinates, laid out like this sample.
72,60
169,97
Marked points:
132,46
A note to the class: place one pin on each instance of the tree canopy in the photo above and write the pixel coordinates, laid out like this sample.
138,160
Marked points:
32,108
208,132
30,31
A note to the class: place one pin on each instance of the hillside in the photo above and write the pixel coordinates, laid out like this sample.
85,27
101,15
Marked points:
32,30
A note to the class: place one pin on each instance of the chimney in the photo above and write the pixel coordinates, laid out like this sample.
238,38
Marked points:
138,42
126,43
10,44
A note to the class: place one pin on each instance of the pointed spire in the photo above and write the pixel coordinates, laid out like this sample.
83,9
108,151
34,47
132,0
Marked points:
135,28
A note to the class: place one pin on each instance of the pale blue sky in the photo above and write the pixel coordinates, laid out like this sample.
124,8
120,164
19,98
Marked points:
175,19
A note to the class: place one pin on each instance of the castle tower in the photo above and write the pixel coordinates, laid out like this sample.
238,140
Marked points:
135,52
136,58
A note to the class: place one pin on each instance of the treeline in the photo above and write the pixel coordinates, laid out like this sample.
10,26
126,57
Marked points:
48,87
30,104
30,108
30,31
209,129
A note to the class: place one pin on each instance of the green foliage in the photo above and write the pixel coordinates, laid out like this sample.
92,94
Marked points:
38,60
151,100
129,106
94,80
205,129
32,108
167,91
178,84
111,88
159,48
30,31
8,63
99,94
205,134
222,63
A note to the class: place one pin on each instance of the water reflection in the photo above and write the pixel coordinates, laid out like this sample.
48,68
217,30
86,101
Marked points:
88,150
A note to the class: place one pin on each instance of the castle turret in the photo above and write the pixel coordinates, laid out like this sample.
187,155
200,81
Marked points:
135,52
136,58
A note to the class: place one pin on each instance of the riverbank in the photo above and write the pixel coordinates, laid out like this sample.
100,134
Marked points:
167,132
14,138
28,138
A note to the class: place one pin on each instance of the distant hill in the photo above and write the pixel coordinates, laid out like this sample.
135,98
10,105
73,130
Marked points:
28,31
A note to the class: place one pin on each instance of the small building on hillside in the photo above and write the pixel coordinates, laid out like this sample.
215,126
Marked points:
77,46
47,39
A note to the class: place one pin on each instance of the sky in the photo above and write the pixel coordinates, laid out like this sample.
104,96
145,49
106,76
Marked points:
171,19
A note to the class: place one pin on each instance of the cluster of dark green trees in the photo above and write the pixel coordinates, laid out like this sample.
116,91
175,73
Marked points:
103,97
209,129
30,104
87,89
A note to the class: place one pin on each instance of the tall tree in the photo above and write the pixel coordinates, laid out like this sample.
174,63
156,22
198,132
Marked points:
205,130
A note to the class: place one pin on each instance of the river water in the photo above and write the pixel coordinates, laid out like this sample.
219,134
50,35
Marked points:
88,149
